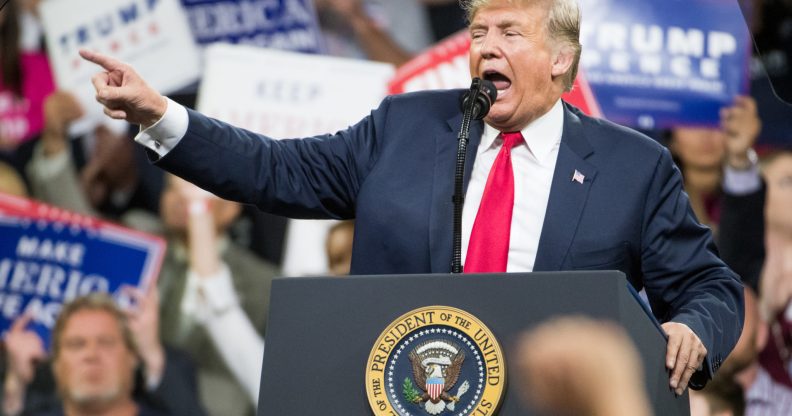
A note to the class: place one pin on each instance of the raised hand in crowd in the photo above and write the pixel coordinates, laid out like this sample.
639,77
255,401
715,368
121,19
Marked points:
30,6
201,228
351,9
24,351
372,38
60,110
143,320
579,366
110,168
198,217
741,126
123,93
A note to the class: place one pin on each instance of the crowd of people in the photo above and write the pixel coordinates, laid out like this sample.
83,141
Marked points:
193,343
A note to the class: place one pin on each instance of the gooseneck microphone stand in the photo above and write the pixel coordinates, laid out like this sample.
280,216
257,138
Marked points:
475,105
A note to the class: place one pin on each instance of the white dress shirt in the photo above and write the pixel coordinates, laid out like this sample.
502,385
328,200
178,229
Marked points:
533,163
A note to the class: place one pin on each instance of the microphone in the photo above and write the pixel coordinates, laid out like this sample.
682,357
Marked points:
476,104
484,94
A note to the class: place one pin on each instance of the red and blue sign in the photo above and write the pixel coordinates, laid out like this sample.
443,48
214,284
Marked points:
646,63
49,256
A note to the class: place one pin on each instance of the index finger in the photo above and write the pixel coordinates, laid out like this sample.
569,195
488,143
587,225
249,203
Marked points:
672,348
21,322
745,102
106,62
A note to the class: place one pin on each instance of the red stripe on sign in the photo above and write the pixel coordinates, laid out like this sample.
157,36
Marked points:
582,96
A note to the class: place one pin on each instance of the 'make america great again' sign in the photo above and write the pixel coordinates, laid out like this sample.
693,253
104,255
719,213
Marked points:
49,256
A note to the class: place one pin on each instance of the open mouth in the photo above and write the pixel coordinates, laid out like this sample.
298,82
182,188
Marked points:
502,82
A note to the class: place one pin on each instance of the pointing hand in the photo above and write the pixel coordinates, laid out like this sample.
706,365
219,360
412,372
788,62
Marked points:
123,93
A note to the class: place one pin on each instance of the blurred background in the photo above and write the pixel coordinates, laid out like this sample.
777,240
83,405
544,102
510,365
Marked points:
293,68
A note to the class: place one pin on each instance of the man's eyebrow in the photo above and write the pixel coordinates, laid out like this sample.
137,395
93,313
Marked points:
500,25
508,23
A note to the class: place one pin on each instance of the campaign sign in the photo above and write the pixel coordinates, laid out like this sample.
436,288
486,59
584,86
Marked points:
659,64
645,63
291,95
49,256
279,24
151,35
285,94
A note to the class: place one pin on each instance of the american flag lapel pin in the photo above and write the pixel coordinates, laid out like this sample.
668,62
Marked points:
578,177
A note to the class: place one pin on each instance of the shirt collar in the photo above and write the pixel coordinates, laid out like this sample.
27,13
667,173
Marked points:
541,136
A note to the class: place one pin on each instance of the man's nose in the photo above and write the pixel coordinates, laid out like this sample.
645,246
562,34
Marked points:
490,46
91,352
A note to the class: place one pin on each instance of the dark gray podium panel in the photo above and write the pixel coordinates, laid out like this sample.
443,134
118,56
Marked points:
321,330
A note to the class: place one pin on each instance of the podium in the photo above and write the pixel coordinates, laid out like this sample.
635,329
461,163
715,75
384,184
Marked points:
322,332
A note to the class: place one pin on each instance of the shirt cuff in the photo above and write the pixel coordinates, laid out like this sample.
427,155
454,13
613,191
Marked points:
207,296
741,182
162,136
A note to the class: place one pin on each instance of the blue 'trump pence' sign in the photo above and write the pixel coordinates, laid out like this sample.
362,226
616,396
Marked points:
279,24
657,64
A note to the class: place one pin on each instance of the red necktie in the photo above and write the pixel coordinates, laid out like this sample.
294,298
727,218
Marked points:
488,249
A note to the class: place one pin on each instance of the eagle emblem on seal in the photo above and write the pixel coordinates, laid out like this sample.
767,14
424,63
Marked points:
436,366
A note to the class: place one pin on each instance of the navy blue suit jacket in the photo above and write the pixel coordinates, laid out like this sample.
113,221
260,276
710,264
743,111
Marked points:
393,172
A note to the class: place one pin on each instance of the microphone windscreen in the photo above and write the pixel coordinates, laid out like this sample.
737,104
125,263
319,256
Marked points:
484,93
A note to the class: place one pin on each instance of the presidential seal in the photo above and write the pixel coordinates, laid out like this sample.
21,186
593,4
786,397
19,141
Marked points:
436,360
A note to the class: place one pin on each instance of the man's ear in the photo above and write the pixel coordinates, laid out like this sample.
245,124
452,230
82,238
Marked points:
563,59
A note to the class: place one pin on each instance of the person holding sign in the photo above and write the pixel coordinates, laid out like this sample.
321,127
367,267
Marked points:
713,158
584,194
96,350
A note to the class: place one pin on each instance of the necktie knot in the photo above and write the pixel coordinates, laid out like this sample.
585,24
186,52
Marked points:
511,139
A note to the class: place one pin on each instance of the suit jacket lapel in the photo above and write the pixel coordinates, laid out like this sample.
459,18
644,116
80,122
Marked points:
567,196
441,218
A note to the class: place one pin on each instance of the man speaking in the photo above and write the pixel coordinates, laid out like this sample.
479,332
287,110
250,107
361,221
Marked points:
549,188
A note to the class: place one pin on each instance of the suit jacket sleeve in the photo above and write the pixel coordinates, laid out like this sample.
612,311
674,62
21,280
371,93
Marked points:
317,177
684,278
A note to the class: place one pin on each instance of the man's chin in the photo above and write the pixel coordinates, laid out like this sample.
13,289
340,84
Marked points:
498,119
94,397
